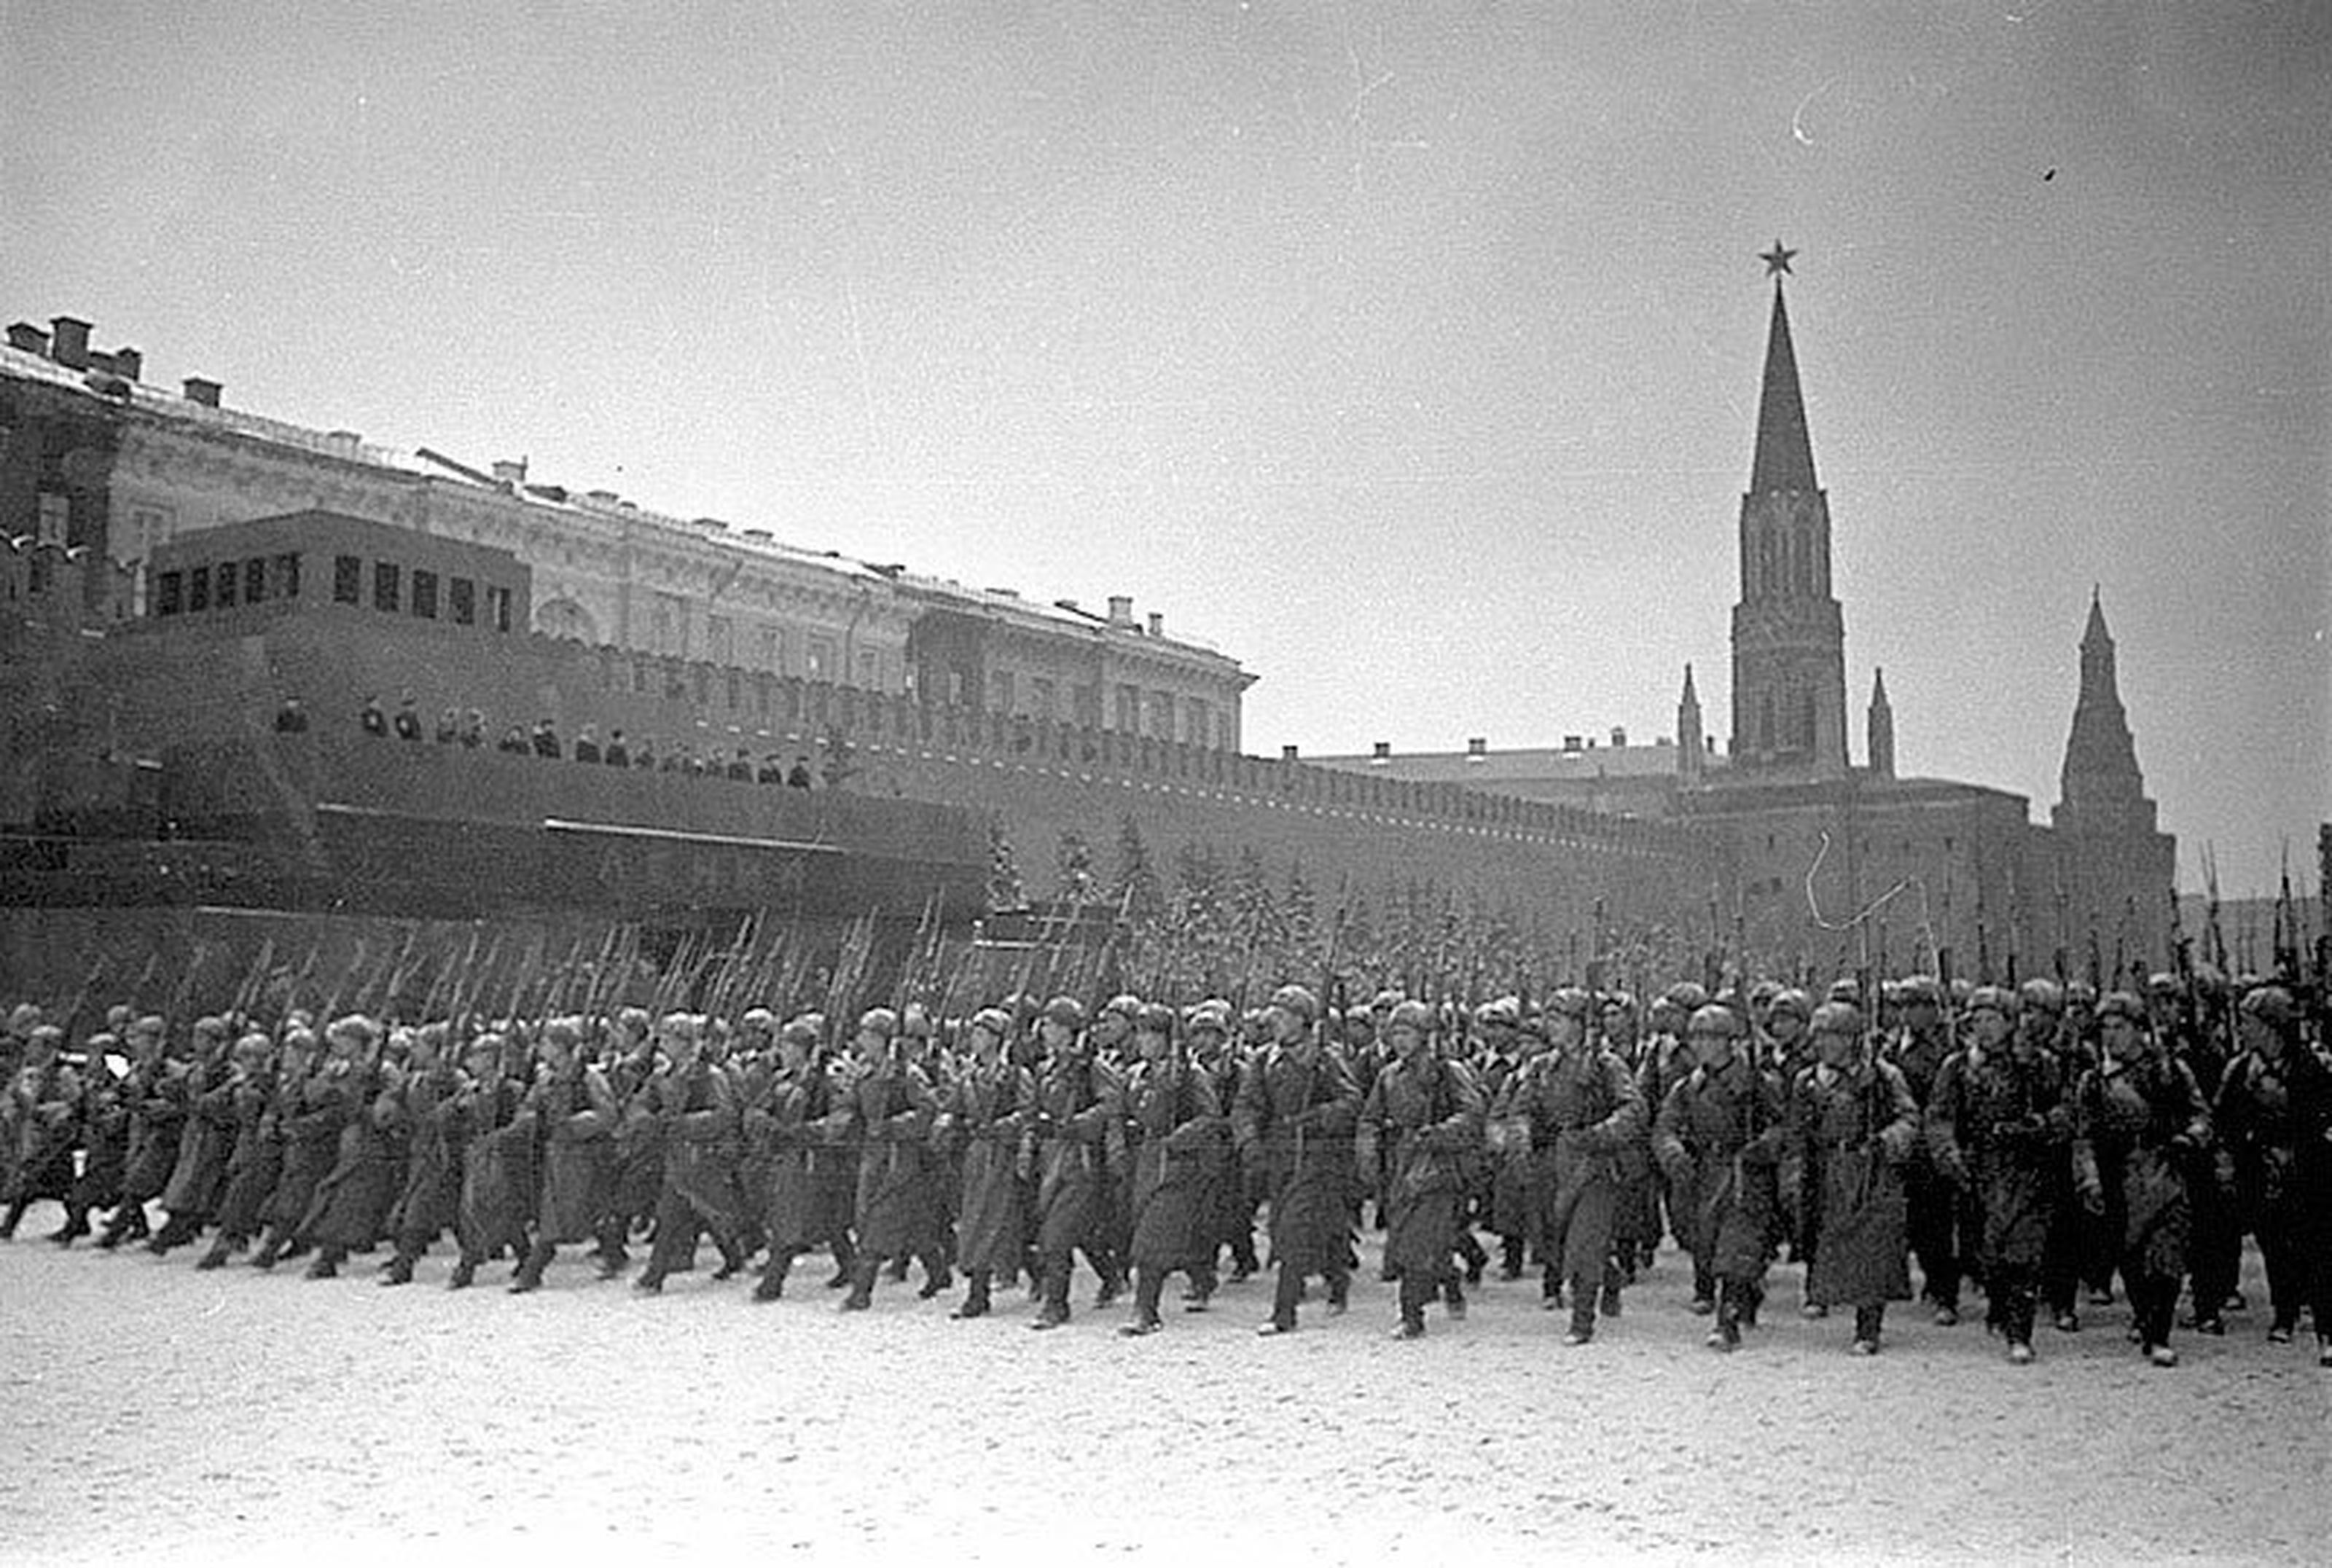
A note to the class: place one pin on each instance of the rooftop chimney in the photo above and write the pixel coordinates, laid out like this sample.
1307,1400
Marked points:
1573,744
1121,609
1287,753
28,338
1478,746
1157,624
1381,750
202,391
1618,735
69,341
129,364
510,471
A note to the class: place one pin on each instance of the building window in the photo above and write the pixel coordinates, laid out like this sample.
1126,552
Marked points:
1128,719
425,594
720,640
198,589
254,579
287,575
498,609
1002,690
461,598
387,585
348,580
735,693
1042,698
228,584
170,593
821,658
55,522
773,650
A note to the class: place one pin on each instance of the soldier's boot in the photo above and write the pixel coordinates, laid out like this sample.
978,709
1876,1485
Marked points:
1550,1287
1752,1297
399,1269
1149,1285
937,1276
177,1231
844,1257
14,1218
1582,1312
326,1264
117,1229
862,1284
1726,1334
220,1251
976,1302
271,1249
1471,1252
75,1226
1453,1299
1340,1292
898,1271
775,1273
1201,1291
1614,1276
1284,1297
1867,1322
1243,1265
1510,1258
529,1273
465,1270
1414,1295
1052,1310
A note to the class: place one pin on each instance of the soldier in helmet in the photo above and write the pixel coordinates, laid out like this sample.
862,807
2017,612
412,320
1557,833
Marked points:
1294,1121
1582,1113
1113,1046
256,1156
1230,1201
575,1114
1420,1123
699,1124
1933,1214
1719,1138
2255,1121
987,1112
799,1121
1997,1126
2140,1123
1079,1099
431,1194
44,1099
1506,1047
892,1107
1666,1061
1175,1138
1853,1123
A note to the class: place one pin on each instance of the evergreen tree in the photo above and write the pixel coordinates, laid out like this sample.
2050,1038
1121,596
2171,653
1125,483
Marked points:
1135,890
1073,880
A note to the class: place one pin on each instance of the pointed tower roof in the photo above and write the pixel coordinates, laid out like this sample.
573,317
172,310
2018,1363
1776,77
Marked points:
2101,758
1691,699
1878,689
1786,454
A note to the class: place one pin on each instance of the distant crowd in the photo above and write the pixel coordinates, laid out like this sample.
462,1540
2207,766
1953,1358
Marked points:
456,728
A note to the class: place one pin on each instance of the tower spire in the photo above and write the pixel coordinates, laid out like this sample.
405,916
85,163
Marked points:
1882,727
1785,453
2100,771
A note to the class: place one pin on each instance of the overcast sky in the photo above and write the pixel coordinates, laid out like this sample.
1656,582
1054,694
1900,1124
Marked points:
1409,353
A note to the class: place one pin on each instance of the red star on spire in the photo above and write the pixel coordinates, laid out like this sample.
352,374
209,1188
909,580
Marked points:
1777,260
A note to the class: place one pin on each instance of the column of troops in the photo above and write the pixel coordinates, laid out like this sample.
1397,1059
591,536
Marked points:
2032,1144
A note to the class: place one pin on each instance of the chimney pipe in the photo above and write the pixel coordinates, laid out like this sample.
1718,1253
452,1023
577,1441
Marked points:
510,470
1618,735
69,341
203,391
1157,624
1381,750
129,364
1287,753
1121,609
27,338
1478,746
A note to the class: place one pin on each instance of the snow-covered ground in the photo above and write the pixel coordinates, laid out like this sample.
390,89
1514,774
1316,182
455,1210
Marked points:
156,1414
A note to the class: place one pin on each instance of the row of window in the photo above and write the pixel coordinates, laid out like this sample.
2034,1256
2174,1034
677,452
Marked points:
394,589
223,584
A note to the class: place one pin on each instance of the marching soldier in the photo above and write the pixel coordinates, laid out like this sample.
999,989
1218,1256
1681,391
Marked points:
892,1107
1853,1124
1934,1211
575,1114
989,1109
429,1200
2254,1121
2140,1124
44,1109
1175,1136
1507,1206
1580,1111
1295,1120
1997,1127
255,1157
695,1110
1421,1124
1229,1200
1079,1099
1718,1138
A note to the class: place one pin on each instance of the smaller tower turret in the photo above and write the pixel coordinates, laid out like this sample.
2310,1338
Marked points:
1882,728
